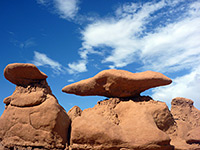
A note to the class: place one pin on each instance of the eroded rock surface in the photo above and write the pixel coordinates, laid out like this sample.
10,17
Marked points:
33,117
117,83
117,124
187,117
74,112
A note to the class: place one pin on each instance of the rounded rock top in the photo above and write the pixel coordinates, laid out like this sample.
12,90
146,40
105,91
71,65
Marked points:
117,83
23,73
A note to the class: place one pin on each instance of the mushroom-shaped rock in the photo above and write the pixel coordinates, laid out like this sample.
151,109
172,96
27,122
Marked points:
117,83
33,116
23,74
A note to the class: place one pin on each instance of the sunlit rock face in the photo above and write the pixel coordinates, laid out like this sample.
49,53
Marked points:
32,116
187,117
117,83
140,123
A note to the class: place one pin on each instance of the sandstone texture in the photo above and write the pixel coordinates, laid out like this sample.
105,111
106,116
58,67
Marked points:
23,74
117,83
187,117
74,112
33,117
116,124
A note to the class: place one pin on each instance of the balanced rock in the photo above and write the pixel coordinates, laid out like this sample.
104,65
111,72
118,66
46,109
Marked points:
115,124
23,74
33,117
187,117
117,83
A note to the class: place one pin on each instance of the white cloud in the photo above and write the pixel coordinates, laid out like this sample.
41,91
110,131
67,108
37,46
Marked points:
119,33
185,86
41,59
67,9
77,67
137,34
162,36
70,80
173,47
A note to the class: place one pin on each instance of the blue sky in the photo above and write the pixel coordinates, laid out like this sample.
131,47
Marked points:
71,40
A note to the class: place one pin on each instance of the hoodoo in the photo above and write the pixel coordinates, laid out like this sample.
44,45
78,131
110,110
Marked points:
32,116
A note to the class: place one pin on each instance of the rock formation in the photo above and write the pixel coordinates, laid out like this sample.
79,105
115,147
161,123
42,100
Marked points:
33,119
117,83
187,117
23,74
32,116
74,112
115,124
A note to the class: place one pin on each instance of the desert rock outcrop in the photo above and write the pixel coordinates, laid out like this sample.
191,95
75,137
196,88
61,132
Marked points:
187,117
117,83
116,123
32,116
34,120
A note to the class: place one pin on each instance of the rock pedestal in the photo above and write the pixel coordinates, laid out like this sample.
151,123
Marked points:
116,124
32,116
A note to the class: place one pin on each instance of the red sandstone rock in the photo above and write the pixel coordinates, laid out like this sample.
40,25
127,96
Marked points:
115,124
187,117
33,117
74,112
117,83
23,74
193,136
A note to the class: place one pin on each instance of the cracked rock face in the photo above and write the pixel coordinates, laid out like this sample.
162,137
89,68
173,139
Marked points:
117,83
33,117
123,124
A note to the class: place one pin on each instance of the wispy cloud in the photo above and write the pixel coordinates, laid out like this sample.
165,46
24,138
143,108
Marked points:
41,59
77,67
161,36
70,80
66,9
185,86
23,44
162,40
